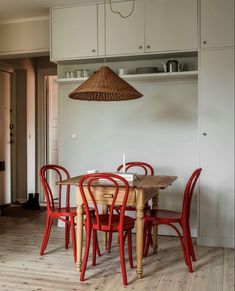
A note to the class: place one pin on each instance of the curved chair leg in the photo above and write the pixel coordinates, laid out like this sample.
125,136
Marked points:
94,247
125,236
110,241
191,244
129,235
73,236
46,235
97,246
181,240
67,232
144,235
86,253
122,258
187,249
148,238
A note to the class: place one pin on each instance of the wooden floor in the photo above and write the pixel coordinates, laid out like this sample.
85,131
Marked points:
21,267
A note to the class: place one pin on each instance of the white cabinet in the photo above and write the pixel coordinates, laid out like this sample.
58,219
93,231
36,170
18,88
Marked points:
73,32
170,25
24,37
217,23
124,36
216,119
154,26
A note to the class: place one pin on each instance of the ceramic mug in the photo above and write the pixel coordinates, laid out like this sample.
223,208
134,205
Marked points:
85,73
123,72
79,73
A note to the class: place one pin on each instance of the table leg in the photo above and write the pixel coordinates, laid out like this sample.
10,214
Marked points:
79,232
105,234
155,228
139,234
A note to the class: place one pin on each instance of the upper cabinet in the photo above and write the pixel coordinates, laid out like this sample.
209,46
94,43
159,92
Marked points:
30,36
73,32
124,36
217,23
154,26
170,25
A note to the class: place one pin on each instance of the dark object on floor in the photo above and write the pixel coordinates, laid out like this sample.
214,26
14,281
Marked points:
18,211
32,202
16,202
2,166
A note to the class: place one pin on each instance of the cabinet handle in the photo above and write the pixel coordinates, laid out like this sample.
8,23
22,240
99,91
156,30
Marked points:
140,47
148,46
93,50
204,133
204,42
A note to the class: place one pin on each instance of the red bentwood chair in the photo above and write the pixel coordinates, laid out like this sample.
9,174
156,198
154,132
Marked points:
171,218
110,222
147,170
66,214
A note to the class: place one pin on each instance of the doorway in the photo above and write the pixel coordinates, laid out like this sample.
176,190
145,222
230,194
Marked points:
13,135
47,123
5,145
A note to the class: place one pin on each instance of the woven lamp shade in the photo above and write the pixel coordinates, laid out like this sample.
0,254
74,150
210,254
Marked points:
105,85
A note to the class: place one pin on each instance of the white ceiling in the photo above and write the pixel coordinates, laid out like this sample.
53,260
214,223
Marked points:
12,9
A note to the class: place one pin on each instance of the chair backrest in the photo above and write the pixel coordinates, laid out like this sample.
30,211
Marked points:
148,169
188,193
62,174
113,183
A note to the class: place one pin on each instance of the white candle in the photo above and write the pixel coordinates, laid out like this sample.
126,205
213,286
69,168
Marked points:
124,163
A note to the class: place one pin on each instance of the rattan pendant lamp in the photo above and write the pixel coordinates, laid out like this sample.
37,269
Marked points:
104,84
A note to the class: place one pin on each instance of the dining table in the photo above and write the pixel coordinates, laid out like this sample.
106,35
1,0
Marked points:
141,190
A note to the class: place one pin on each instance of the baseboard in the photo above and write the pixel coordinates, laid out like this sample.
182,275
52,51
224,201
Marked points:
216,242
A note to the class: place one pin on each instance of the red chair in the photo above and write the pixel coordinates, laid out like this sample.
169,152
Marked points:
119,223
54,210
147,170
169,217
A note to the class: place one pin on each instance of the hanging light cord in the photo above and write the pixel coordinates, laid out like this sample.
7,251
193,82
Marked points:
105,58
105,20
119,13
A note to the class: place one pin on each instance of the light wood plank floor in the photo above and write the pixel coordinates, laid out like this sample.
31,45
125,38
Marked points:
21,267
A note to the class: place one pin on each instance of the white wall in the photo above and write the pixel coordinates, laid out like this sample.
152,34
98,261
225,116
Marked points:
160,128
29,66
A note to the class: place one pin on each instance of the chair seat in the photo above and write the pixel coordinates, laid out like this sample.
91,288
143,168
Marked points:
162,215
128,222
132,208
71,211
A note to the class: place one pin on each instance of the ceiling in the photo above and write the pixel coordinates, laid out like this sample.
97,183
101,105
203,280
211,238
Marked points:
12,9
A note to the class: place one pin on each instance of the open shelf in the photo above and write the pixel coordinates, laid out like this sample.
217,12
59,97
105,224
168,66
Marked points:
141,77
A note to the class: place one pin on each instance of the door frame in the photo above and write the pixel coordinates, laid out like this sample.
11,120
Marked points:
18,132
9,71
41,123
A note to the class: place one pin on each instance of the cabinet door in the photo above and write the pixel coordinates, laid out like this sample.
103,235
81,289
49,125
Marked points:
216,118
124,36
73,32
170,25
24,37
217,23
